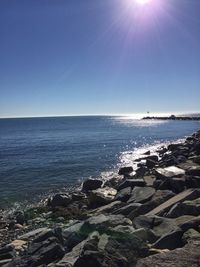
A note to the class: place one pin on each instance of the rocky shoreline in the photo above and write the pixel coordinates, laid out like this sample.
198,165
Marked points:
140,218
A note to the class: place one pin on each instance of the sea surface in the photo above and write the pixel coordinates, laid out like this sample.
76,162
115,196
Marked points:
41,155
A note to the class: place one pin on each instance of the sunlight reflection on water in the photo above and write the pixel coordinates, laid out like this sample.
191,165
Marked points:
132,121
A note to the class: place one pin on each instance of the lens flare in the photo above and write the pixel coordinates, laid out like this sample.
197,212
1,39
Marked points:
143,2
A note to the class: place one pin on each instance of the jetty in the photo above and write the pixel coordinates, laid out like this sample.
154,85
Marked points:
172,117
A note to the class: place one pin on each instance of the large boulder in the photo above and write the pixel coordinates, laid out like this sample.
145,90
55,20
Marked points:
158,198
119,249
91,184
60,200
170,240
141,194
159,225
169,172
101,196
125,170
102,223
185,208
124,194
73,235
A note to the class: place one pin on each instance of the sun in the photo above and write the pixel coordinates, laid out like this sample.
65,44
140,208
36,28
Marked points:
143,2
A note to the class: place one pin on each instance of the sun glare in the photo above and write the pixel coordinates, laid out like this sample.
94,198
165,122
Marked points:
143,2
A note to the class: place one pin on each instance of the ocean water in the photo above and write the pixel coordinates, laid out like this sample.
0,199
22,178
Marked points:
39,155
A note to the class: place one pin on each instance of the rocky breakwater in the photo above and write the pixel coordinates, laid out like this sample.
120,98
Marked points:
151,217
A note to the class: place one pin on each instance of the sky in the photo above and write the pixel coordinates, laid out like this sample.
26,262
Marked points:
64,57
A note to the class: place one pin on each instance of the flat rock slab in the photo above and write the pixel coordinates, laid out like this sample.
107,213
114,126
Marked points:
189,194
181,257
33,233
168,172
141,194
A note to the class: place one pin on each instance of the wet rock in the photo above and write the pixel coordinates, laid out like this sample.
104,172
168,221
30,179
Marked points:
141,194
131,183
150,163
125,170
123,194
174,147
91,184
62,200
169,172
170,241
101,196
147,152
141,171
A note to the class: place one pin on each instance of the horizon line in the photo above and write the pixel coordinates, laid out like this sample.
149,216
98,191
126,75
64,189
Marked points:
106,115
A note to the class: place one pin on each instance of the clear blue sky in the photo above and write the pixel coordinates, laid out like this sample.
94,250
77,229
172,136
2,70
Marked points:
99,57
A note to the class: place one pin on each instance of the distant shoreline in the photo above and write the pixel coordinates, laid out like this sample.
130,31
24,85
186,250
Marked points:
172,117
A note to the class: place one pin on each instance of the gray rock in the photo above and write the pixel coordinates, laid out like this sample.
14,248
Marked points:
101,223
123,194
6,252
190,235
193,222
195,171
101,196
73,235
127,209
141,194
32,234
91,184
169,172
170,240
185,208
181,257
60,200
159,197
111,207
159,225
131,183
